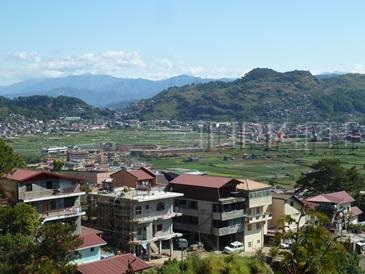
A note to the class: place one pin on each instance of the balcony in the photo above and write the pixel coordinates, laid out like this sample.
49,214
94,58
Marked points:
50,193
254,218
187,211
227,230
168,215
61,213
223,216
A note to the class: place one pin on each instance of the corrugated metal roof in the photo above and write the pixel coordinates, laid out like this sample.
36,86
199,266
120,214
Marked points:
201,180
251,185
24,175
355,211
90,240
121,264
141,174
341,197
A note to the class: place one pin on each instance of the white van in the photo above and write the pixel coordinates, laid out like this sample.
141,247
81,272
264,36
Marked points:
235,247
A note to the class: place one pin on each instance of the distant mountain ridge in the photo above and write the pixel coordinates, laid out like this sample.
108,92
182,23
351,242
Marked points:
97,90
261,95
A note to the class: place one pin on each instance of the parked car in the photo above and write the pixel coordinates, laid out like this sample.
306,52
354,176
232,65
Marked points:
286,245
234,247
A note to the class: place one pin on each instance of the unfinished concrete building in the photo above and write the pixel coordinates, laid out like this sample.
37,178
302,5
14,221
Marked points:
136,220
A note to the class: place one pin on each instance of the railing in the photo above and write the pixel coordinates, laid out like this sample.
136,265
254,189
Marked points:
29,195
227,230
70,211
233,214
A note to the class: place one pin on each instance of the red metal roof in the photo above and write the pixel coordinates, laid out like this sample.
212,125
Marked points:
140,174
90,240
341,197
86,229
355,211
121,264
201,180
24,175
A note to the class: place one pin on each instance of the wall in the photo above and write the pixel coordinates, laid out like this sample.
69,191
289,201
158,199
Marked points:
88,176
88,256
253,236
277,211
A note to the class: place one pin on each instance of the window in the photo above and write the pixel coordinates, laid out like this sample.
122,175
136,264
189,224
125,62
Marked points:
147,207
249,227
258,226
160,206
49,185
194,204
28,187
258,241
159,227
53,204
249,244
138,210
291,203
92,249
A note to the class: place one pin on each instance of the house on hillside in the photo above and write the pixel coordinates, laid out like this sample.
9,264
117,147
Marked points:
338,206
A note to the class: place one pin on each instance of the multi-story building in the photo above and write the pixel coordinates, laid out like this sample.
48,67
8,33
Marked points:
134,218
258,213
219,210
57,199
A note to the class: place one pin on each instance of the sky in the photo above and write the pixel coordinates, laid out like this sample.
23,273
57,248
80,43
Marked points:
157,39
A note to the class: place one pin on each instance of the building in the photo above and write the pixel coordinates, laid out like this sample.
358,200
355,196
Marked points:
52,151
90,249
120,264
219,210
139,220
338,207
56,197
286,204
258,209
141,179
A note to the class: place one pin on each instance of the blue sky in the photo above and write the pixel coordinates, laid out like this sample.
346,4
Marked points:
157,39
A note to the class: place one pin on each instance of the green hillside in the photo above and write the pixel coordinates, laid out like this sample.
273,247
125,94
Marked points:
261,95
46,108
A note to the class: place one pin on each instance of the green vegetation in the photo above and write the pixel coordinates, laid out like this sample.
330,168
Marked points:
8,159
214,264
262,95
314,250
47,108
28,247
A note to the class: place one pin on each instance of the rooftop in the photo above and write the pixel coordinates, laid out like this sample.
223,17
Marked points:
201,180
341,197
121,264
141,174
251,185
24,175
355,211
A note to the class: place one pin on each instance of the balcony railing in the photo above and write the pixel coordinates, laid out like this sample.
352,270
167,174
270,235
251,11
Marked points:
30,195
234,214
69,211
227,230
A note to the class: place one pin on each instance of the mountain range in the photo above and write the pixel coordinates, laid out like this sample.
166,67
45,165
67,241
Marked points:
98,90
261,95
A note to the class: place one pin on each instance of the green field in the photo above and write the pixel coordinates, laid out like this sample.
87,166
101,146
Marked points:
281,164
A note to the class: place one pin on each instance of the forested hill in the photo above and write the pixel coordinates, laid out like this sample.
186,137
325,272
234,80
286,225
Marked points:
46,108
262,95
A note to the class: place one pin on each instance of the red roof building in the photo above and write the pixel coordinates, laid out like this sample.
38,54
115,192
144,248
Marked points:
121,264
142,178
341,197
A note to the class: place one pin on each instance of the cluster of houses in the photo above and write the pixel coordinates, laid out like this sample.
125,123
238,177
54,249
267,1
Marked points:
144,213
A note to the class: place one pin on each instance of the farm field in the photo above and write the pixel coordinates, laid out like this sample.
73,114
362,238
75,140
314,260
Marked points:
281,164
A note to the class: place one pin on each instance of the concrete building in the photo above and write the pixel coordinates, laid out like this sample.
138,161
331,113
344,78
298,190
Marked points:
258,213
56,197
286,204
139,220
219,210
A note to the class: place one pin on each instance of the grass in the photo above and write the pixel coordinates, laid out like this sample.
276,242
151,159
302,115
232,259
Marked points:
281,164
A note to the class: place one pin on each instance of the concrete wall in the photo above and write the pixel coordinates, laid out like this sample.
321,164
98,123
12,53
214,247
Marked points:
88,256
89,177
254,238
149,208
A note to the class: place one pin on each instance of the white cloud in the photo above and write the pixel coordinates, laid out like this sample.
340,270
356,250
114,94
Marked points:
359,68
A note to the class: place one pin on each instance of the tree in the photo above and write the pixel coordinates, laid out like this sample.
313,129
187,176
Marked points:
314,249
57,165
329,175
28,247
8,159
